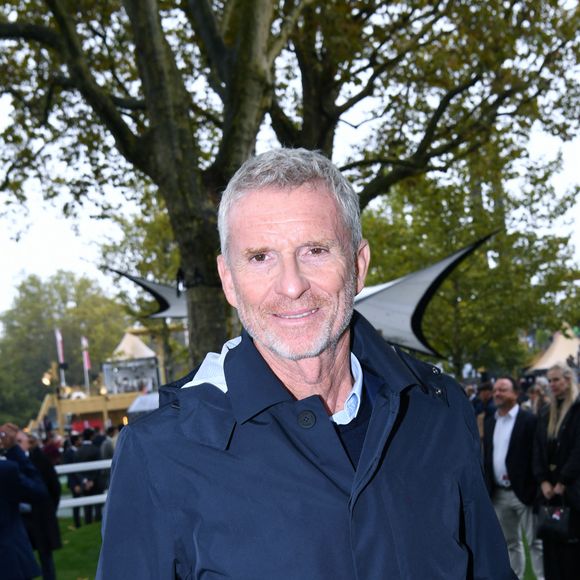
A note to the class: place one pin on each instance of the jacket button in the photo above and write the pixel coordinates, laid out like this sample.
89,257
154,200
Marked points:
306,419
435,371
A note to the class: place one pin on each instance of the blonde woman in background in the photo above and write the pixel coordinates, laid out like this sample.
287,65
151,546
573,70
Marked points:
557,468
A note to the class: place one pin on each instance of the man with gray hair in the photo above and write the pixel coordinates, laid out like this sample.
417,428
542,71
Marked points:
309,447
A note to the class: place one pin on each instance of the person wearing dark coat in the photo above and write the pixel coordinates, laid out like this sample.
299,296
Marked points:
19,482
557,469
508,439
74,480
483,405
90,480
41,521
98,438
309,447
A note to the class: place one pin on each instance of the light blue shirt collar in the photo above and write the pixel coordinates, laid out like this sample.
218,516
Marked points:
212,371
352,403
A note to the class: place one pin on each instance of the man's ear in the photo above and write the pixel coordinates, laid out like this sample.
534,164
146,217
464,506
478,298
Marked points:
363,259
227,283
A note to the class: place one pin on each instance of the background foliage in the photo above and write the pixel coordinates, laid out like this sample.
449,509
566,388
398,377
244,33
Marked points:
77,306
520,281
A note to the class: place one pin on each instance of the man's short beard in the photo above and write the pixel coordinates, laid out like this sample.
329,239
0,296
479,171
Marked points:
327,341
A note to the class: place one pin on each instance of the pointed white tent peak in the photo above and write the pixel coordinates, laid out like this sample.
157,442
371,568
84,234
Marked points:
132,347
396,308
563,346
172,303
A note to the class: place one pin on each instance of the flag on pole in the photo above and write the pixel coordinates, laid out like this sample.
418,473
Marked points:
59,346
85,349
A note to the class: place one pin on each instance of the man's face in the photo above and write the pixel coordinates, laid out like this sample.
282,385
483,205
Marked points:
291,271
504,395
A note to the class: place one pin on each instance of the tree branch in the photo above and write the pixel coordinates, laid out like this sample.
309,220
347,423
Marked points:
367,90
112,58
24,160
31,32
432,16
380,161
419,161
383,182
99,101
439,112
172,156
286,131
288,25
211,43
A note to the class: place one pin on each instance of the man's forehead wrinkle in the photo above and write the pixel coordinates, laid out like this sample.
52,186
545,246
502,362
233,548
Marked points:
267,218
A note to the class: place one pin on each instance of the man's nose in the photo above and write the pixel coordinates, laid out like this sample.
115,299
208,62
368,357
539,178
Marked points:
291,281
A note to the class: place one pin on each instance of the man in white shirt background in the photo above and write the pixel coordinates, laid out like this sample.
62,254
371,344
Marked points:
507,444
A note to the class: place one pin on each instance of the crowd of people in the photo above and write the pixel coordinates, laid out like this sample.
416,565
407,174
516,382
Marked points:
30,493
531,449
531,455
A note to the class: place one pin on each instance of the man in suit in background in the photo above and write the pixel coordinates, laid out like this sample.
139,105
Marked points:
74,480
90,480
507,444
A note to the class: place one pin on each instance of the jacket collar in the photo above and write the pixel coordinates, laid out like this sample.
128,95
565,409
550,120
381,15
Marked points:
379,356
253,387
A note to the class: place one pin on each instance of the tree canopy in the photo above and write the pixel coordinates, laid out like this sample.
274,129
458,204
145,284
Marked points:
519,281
77,307
177,94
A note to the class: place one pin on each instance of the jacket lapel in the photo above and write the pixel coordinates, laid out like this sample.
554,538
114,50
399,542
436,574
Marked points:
516,435
391,377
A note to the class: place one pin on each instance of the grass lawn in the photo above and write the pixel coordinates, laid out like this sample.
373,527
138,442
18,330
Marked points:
77,559
528,573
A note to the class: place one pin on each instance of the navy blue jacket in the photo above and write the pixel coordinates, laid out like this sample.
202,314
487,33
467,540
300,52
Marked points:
238,485
19,482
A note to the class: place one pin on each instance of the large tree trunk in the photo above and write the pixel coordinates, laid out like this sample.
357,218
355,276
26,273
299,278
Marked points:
207,310
198,240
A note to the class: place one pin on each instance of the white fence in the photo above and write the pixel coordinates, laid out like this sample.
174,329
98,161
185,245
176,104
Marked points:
78,468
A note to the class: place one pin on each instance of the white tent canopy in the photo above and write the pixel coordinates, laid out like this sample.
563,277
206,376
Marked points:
172,304
132,347
559,351
396,308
